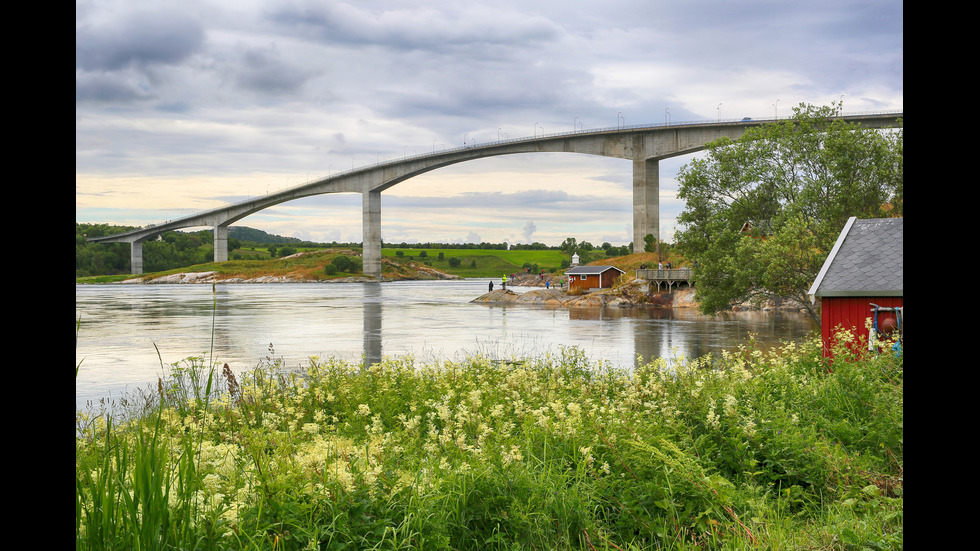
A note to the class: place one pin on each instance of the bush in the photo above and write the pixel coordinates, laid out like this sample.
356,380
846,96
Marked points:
341,262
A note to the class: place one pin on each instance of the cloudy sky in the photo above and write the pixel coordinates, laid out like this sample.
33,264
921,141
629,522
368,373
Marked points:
187,105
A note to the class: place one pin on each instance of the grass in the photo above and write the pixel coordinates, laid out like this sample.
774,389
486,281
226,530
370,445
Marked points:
750,450
481,262
310,266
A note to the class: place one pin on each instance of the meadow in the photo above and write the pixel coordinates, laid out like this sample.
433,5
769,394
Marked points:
774,449
311,266
480,262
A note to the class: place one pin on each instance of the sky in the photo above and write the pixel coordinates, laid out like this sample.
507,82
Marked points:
188,105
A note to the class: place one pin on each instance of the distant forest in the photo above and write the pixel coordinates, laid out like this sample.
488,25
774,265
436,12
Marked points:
173,249
176,249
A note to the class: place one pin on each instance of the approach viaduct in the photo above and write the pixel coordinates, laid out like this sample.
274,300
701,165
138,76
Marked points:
644,145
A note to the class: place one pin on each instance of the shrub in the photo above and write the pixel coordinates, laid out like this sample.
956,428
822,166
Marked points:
341,262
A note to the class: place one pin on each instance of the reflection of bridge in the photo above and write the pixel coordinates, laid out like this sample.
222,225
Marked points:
645,146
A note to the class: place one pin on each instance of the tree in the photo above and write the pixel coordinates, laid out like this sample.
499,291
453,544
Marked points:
649,243
762,212
342,262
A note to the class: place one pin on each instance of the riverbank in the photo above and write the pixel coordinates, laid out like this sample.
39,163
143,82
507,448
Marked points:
308,267
621,298
636,293
303,267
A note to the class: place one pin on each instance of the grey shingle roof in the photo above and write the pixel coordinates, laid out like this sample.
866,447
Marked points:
589,270
867,260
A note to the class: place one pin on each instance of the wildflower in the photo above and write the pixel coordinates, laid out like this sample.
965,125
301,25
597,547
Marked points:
730,405
363,410
514,454
311,428
713,417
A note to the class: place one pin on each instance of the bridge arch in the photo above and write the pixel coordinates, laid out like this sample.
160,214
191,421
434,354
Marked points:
645,146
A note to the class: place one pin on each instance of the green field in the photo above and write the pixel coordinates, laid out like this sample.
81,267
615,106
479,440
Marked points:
480,262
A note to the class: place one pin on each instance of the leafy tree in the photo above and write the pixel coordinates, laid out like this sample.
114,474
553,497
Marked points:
342,262
649,243
762,212
345,263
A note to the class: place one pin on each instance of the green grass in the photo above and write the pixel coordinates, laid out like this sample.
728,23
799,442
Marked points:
489,263
750,450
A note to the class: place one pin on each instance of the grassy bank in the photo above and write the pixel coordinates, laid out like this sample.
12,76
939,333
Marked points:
400,263
751,450
311,265
480,262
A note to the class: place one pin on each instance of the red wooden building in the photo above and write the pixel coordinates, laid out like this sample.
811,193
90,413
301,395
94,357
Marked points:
862,279
592,277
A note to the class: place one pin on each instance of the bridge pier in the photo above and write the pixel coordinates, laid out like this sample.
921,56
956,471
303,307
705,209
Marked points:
646,201
220,243
371,229
136,256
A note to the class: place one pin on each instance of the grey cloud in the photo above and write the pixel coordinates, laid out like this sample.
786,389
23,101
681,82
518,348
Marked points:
141,39
108,87
266,71
471,27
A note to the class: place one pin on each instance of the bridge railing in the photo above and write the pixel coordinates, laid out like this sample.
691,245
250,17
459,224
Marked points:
618,128
656,274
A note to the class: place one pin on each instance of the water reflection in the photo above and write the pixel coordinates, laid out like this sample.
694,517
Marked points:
130,333
372,323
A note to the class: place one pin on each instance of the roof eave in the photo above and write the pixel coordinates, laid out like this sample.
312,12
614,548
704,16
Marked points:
813,292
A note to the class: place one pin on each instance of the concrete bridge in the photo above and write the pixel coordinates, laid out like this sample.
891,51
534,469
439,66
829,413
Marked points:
644,145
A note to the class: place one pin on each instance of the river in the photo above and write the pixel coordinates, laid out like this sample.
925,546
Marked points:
128,335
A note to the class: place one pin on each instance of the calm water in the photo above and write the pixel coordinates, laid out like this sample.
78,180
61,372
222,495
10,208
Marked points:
124,326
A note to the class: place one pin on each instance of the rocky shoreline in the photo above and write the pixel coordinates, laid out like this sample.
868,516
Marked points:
634,294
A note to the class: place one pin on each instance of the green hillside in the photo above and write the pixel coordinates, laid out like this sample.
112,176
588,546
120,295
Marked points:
481,262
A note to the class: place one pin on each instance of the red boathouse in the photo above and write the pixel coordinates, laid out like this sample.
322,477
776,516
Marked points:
592,277
862,279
